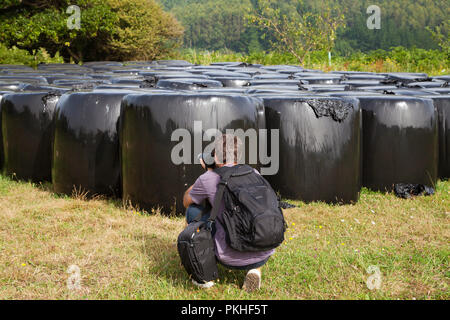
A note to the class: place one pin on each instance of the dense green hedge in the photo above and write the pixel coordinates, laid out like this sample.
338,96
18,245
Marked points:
398,59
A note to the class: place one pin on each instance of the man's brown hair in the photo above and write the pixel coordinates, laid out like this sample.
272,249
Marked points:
228,148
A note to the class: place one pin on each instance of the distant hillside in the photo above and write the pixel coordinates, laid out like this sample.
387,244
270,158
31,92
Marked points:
217,24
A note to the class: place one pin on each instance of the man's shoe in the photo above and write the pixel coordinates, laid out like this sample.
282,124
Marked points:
252,280
205,285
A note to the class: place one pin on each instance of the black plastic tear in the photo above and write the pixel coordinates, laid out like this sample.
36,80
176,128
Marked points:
338,110
407,191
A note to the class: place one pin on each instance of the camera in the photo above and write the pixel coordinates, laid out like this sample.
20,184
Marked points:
208,159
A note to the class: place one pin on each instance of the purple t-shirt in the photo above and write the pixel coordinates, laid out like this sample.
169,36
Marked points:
205,188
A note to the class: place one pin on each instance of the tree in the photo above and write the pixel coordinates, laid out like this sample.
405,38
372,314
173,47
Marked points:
295,29
214,24
144,30
110,29
442,35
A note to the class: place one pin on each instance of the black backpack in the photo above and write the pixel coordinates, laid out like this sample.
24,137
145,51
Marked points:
252,218
197,252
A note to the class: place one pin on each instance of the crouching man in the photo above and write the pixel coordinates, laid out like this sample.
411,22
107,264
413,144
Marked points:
204,191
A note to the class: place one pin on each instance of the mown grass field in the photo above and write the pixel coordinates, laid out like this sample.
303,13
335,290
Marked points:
125,254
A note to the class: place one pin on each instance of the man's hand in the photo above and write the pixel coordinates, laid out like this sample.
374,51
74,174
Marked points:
187,200
202,163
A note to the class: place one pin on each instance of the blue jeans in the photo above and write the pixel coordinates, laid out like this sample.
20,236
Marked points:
193,211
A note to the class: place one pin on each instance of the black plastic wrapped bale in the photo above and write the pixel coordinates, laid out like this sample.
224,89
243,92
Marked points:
225,74
86,143
242,65
409,92
81,83
279,82
14,67
380,88
102,76
127,80
442,104
400,141
355,84
150,178
234,82
427,84
174,74
272,76
27,130
188,84
40,88
25,79
232,91
405,78
363,76
277,68
11,86
330,79
174,63
445,78
305,74
319,147
274,89
117,86
130,72
440,90
2,93
52,78
316,88
249,71
355,94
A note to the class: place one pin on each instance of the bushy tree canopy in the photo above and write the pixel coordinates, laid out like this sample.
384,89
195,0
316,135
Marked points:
109,29
144,31
298,31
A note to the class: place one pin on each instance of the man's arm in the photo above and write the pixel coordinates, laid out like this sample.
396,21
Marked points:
187,200
195,194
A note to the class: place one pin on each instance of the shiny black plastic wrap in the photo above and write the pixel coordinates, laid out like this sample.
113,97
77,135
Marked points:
188,84
150,178
428,84
322,79
86,143
320,157
27,131
277,82
400,141
2,93
234,82
25,79
442,104
355,84
440,90
409,92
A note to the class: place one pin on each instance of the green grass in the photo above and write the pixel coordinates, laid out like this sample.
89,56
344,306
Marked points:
125,254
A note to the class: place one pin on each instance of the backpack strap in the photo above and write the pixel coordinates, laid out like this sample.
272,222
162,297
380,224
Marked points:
225,173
